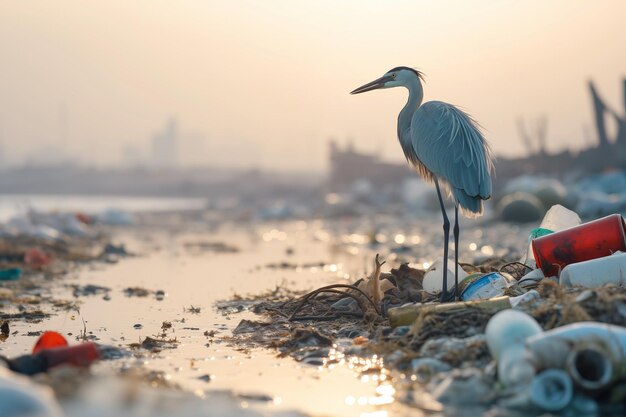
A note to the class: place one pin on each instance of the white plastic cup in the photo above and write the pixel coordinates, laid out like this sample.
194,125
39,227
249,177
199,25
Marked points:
433,279
557,218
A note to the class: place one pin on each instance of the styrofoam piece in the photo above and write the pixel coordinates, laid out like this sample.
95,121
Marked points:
596,272
433,279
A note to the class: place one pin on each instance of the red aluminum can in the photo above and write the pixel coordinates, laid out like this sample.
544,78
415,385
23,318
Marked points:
591,240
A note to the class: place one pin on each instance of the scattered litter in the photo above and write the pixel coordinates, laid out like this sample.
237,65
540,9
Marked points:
433,279
409,313
203,246
261,398
49,340
119,250
51,350
551,390
596,272
193,310
37,259
30,316
89,289
20,396
115,217
4,331
557,218
513,317
155,345
11,274
523,300
205,378
136,292
483,286
518,341
520,207
587,241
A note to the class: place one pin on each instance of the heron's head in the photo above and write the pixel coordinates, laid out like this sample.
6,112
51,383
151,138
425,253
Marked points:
396,77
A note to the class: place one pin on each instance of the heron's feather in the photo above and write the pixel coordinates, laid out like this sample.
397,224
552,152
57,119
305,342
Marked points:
447,143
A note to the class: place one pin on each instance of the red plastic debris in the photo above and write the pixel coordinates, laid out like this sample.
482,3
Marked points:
36,258
83,218
587,241
49,340
79,355
52,350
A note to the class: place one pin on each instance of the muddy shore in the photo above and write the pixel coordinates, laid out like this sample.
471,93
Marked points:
187,309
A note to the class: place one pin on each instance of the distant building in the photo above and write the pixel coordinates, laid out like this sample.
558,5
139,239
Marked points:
347,166
165,146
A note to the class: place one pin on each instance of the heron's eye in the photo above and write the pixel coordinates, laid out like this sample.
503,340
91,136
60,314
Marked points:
393,75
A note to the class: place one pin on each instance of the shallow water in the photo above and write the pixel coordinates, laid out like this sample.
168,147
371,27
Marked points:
200,278
13,204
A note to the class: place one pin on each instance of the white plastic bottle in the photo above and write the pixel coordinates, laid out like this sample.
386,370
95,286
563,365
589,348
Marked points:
596,272
506,334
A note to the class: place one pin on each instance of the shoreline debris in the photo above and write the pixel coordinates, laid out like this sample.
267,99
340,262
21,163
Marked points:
523,340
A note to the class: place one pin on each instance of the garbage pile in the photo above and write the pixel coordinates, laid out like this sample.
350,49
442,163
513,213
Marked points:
526,198
544,333
35,249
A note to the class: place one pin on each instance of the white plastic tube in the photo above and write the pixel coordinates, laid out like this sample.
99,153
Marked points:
596,272
551,390
592,353
590,368
506,334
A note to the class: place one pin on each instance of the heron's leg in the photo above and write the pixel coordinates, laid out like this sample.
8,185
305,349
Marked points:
456,250
445,296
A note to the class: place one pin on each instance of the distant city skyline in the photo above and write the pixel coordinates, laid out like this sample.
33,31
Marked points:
256,84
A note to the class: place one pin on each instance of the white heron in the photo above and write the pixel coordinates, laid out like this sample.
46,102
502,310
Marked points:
445,145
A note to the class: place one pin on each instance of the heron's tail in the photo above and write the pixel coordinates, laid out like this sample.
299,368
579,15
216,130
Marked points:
471,206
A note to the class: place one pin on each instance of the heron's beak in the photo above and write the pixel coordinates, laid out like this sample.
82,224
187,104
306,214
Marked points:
379,83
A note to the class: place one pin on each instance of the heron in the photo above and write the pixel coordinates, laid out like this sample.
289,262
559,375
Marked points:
447,147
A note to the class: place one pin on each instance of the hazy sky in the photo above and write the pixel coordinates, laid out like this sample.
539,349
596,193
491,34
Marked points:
267,82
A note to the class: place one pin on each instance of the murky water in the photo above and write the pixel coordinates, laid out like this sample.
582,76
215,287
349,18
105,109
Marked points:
192,277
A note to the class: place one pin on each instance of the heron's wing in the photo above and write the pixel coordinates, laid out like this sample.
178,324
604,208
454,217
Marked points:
450,144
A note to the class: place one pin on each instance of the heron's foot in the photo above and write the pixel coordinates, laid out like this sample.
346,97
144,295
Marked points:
448,296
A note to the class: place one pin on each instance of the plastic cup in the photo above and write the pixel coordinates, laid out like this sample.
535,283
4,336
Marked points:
591,240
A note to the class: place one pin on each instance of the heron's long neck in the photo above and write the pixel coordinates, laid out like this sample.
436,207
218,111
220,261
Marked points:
416,95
